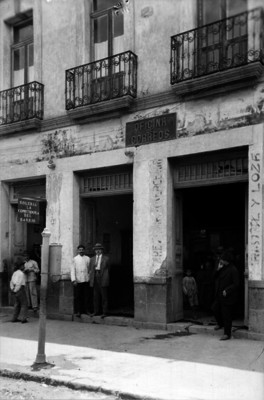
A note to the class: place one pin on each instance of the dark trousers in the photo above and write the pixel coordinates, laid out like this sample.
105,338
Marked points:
82,298
223,314
20,305
100,293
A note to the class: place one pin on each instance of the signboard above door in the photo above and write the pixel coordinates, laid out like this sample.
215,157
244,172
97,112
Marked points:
28,210
150,130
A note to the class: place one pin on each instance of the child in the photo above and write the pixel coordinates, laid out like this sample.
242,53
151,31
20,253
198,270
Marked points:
190,290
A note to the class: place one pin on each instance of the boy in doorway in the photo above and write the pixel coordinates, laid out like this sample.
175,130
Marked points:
189,288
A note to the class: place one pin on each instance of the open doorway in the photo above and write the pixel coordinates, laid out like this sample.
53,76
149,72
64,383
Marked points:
109,220
213,219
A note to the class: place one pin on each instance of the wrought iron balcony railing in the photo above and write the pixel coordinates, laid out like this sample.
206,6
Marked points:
22,103
101,80
225,44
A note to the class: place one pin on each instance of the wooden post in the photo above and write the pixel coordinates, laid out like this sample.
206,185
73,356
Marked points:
41,357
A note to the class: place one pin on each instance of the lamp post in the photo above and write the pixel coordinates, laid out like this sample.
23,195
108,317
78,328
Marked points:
41,357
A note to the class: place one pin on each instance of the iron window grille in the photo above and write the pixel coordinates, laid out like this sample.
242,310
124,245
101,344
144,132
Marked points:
21,103
212,170
110,183
218,46
109,78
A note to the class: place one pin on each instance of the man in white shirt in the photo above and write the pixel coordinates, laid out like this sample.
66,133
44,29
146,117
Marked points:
80,281
18,288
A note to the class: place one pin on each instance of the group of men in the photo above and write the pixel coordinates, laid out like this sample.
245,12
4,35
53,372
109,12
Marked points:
90,278
92,274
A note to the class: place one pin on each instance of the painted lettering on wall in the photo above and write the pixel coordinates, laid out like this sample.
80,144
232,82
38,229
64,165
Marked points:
28,211
150,130
156,210
255,225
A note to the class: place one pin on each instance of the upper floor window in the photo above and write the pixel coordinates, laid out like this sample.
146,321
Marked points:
22,54
107,29
214,10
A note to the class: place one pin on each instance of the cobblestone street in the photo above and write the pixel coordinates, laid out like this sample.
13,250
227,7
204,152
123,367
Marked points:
18,389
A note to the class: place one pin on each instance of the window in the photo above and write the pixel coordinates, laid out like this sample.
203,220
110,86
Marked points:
107,29
23,54
213,10
221,44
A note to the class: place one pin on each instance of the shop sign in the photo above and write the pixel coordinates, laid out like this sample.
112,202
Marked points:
28,210
151,130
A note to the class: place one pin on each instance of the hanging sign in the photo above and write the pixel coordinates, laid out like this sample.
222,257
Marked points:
151,130
28,210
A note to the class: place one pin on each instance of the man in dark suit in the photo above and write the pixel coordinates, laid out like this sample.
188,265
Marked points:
226,292
99,280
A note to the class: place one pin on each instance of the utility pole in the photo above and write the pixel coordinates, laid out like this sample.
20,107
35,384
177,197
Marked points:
41,357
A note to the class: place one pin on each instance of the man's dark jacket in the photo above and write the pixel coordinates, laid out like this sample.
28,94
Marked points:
104,271
227,278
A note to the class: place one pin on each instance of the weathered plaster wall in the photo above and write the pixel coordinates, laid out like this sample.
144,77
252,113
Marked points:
150,228
58,52
156,21
5,234
208,115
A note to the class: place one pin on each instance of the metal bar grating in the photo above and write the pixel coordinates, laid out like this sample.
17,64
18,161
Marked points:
122,181
212,170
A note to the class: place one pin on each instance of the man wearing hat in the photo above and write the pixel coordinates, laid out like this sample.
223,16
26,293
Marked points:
226,293
99,279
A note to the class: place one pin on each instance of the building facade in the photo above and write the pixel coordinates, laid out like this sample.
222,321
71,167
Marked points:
137,124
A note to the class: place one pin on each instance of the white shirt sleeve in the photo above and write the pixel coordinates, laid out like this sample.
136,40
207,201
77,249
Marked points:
73,273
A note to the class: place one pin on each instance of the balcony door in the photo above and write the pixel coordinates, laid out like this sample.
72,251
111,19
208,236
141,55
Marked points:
108,34
107,29
22,54
222,42
22,50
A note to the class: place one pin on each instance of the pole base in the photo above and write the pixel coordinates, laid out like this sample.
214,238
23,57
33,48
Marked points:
38,366
40,359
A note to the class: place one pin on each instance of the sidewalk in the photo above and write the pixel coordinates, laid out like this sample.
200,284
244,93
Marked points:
135,363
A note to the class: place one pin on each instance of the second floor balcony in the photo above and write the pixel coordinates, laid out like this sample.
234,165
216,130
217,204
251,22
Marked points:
110,78
22,103
218,47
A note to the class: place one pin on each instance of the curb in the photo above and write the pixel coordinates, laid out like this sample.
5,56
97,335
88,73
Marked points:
5,373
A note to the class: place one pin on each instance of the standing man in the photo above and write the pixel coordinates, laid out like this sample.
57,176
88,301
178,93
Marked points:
31,270
226,291
99,280
18,288
80,281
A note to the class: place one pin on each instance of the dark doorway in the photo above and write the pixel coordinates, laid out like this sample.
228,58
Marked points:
213,218
109,221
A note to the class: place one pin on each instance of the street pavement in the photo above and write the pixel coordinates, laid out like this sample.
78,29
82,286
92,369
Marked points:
134,363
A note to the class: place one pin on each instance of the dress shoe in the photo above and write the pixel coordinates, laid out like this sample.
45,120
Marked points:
217,327
16,320
24,321
225,337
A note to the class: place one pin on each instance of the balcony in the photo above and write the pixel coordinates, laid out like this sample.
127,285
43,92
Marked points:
229,50
21,107
106,85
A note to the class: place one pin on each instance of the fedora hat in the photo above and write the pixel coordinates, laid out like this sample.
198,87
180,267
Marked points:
98,246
